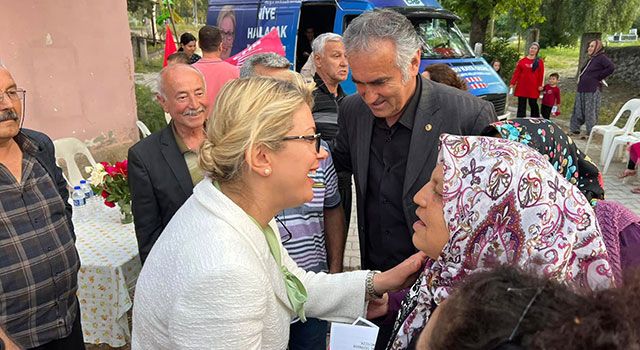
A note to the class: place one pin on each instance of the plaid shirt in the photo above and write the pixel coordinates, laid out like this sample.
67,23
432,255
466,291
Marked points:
38,259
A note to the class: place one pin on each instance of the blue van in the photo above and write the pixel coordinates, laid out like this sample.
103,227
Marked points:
245,21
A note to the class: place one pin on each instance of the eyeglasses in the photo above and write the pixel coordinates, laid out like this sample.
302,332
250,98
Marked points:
313,137
229,34
14,95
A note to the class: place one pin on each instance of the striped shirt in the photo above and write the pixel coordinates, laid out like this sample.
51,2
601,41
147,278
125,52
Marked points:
325,109
38,259
306,222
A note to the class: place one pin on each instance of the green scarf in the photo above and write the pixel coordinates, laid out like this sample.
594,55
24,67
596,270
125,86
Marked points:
296,292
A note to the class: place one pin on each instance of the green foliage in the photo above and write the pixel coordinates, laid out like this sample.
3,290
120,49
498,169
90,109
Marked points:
149,112
566,20
501,50
143,7
523,12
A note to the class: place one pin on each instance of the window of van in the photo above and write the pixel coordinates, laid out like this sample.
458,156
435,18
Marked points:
441,38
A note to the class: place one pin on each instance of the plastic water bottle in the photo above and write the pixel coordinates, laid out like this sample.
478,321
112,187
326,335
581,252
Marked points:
79,204
88,193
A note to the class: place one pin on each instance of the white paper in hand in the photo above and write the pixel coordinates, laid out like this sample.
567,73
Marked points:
361,335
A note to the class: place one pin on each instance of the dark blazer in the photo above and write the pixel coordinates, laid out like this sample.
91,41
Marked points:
46,156
160,183
441,109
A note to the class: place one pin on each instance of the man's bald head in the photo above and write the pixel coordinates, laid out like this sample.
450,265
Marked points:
167,73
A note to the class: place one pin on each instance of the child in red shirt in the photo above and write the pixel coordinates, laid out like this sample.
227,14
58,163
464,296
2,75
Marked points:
551,97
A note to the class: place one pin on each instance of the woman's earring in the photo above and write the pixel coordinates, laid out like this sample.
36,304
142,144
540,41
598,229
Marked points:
267,171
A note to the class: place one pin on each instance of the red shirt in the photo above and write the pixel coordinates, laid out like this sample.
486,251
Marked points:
526,80
550,95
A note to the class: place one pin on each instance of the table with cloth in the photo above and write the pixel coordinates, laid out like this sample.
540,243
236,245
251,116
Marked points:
109,269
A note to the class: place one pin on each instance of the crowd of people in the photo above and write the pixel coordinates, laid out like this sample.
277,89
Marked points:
474,233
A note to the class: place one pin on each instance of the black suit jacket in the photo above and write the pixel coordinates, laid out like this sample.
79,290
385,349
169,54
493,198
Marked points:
441,109
46,156
160,183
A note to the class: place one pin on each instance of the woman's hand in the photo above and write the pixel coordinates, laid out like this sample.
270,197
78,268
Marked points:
378,307
401,276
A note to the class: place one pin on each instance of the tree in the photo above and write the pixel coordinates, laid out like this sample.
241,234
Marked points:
595,16
143,7
525,12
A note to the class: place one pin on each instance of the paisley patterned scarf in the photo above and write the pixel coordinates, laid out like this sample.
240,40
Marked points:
505,204
548,139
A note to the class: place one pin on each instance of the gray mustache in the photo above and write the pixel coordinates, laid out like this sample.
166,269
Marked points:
8,115
193,112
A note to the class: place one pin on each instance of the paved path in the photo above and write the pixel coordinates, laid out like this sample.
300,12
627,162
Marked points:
615,189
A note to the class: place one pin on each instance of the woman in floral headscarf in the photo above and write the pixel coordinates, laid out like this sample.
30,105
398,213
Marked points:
620,227
548,139
590,81
489,202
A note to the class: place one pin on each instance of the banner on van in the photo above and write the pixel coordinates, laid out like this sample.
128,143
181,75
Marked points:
268,43
243,22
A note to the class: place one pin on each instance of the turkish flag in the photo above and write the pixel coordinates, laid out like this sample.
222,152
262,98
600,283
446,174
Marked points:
268,43
169,46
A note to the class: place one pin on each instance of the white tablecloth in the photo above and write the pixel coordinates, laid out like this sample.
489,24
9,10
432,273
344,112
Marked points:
109,268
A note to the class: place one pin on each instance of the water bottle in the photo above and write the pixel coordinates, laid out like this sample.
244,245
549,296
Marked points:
79,204
88,193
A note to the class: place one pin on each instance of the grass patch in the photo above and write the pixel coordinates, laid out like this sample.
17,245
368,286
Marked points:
560,58
149,111
151,66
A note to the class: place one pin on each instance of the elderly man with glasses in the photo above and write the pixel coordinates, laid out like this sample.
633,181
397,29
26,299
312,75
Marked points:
38,259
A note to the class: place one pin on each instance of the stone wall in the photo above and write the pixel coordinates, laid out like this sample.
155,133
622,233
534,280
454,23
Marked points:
627,61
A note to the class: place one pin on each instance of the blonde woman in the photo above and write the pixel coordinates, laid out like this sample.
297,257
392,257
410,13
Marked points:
218,277
227,23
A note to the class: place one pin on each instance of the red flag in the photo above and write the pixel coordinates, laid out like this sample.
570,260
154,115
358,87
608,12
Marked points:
169,46
268,43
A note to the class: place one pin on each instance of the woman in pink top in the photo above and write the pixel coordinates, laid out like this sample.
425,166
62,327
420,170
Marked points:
527,79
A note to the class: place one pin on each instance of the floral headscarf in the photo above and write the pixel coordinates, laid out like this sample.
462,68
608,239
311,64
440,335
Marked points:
504,204
548,139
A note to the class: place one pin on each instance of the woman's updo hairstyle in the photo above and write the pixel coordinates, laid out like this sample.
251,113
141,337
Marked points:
249,112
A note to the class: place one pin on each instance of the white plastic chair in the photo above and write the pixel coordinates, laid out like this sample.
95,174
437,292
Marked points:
611,130
66,149
628,137
143,128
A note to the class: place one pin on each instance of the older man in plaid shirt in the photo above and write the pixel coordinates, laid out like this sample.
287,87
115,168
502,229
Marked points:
38,259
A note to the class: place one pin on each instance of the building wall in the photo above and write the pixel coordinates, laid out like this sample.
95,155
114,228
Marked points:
74,58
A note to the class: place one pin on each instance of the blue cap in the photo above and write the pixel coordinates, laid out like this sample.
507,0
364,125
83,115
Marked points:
76,187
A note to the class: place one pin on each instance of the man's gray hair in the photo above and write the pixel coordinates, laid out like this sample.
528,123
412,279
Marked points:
269,60
319,42
371,27
161,77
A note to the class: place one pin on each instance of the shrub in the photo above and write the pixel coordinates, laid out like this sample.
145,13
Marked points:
149,111
501,50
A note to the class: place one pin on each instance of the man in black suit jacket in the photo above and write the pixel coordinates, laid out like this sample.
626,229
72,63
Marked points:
163,167
389,131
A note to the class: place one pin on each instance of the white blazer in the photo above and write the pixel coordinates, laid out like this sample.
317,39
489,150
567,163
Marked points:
210,282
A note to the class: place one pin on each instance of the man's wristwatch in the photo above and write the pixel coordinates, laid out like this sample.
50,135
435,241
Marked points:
371,292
